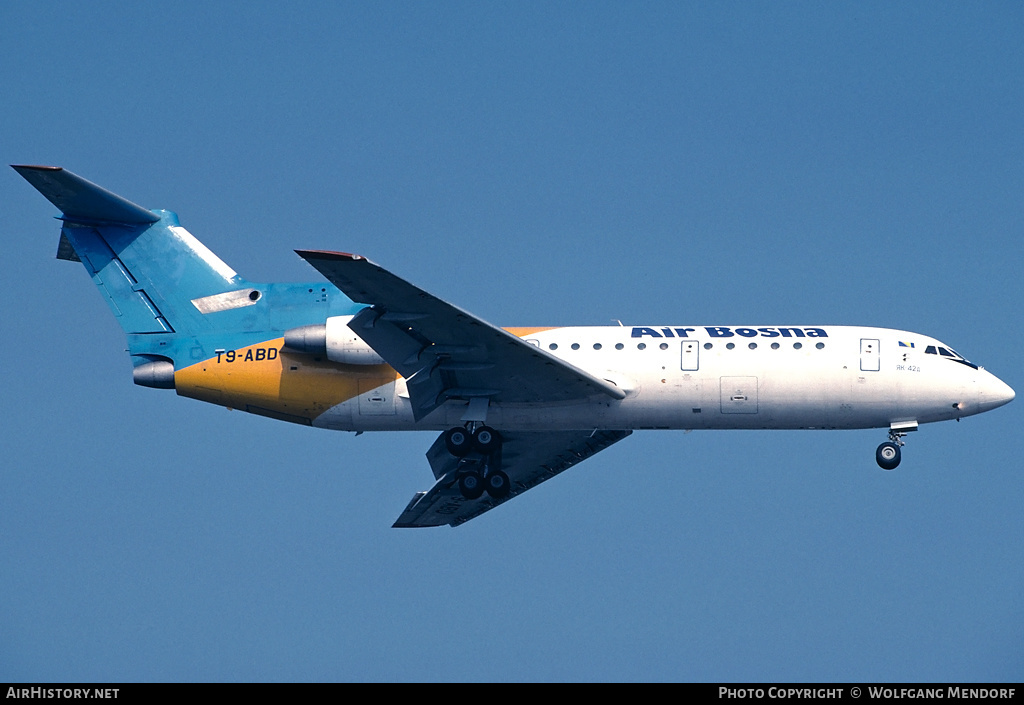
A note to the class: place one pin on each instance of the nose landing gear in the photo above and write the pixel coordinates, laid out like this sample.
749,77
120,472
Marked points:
887,455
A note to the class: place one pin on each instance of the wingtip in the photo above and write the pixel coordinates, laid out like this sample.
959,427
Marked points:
327,255
36,167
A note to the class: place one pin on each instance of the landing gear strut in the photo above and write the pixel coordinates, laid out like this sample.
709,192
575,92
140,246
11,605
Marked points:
480,447
888,454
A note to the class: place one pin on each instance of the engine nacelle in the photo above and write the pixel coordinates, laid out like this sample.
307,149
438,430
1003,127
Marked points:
156,372
335,340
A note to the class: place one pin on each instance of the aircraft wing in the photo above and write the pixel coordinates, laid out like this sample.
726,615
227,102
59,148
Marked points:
527,458
445,352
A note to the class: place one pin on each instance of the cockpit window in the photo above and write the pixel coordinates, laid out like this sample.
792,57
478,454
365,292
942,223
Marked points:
950,353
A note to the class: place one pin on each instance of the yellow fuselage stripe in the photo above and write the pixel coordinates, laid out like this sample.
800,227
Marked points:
266,379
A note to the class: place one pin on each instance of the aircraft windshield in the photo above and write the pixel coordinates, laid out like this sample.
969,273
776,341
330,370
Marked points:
950,353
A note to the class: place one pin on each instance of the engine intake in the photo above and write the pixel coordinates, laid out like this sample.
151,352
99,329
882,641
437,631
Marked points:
335,340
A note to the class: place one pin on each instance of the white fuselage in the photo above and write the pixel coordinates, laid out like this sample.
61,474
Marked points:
725,377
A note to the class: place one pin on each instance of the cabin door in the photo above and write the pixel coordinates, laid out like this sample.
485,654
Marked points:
869,360
691,356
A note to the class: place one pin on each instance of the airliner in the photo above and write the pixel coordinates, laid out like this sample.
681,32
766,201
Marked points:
364,350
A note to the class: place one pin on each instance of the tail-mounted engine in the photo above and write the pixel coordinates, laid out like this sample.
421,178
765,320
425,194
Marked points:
335,340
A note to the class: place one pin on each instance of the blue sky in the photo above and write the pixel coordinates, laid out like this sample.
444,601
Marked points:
537,164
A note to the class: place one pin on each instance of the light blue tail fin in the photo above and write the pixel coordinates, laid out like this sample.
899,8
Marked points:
154,274
177,302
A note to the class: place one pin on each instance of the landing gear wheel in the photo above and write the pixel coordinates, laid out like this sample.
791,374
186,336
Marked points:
498,485
458,441
888,456
471,485
486,440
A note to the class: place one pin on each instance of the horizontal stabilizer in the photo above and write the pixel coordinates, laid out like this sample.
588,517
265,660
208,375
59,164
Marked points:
81,200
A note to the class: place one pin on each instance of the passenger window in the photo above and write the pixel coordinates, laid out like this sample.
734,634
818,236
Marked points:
619,346
708,346
575,346
641,346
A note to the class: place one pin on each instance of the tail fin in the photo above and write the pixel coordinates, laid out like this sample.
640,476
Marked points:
150,270
159,281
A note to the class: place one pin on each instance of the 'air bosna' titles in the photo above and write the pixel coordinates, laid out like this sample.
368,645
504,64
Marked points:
727,332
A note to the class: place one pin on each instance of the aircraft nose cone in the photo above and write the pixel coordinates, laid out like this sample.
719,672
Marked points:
994,393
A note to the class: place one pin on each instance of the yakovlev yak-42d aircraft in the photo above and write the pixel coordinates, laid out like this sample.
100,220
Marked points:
369,351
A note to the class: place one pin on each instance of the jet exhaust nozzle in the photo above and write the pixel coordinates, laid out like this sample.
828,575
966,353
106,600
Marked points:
158,374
